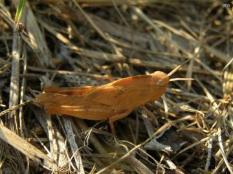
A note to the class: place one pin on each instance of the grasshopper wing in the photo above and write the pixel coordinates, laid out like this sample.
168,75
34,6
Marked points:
69,90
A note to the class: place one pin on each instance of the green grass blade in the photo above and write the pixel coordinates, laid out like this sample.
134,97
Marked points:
19,10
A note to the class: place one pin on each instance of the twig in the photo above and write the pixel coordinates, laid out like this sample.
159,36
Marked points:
208,159
14,84
13,108
153,144
127,154
36,39
82,51
22,93
222,150
26,148
74,147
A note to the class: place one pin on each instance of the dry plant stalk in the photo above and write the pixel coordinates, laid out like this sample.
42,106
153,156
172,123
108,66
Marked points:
112,101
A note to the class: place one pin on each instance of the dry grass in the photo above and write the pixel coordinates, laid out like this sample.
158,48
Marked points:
189,130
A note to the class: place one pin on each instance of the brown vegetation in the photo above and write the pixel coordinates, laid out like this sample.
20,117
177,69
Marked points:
66,44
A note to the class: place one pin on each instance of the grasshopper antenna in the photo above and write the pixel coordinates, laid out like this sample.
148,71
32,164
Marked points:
175,70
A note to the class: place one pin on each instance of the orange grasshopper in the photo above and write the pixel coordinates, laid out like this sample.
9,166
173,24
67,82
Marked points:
112,101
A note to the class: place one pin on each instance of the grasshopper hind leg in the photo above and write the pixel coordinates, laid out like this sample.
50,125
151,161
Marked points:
116,117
